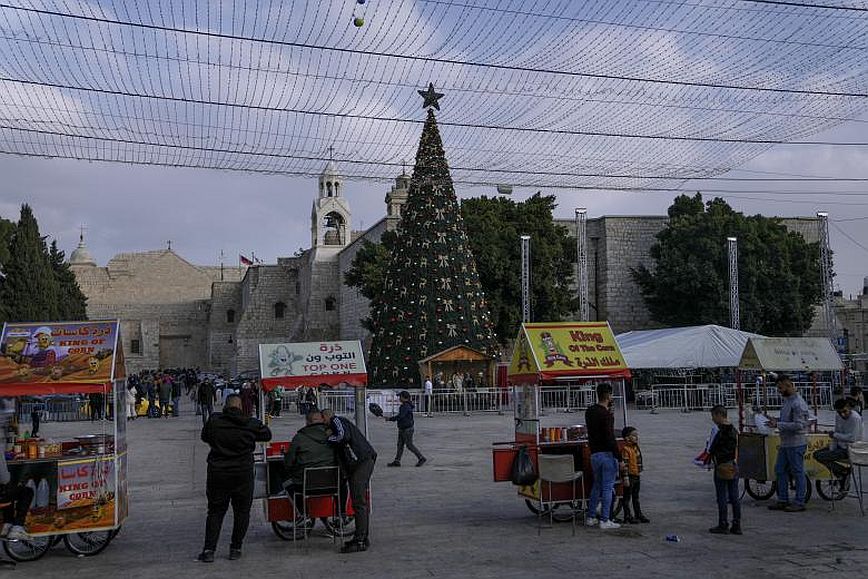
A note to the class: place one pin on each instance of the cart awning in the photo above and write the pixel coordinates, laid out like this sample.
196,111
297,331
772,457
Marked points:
312,364
790,355
60,357
561,350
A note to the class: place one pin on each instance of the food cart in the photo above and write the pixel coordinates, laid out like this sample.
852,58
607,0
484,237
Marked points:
575,354
758,448
81,481
292,365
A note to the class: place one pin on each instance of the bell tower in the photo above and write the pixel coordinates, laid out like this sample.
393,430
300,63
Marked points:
330,215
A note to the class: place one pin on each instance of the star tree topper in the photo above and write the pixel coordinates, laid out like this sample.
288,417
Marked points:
431,97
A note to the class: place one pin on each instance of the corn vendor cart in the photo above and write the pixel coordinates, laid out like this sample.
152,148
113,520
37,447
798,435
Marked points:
293,365
79,482
551,361
758,447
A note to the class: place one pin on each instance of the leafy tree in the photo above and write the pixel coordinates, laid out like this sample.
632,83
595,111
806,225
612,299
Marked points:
29,291
431,297
688,282
6,229
71,301
368,269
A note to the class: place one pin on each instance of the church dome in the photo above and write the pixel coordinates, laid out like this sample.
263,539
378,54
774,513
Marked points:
80,255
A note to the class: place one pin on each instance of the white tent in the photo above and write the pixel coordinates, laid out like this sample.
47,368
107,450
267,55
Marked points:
690,347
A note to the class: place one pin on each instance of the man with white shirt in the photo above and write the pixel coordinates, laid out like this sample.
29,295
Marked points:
848,429
429,396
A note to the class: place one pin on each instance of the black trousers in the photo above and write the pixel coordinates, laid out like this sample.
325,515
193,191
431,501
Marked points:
405,438
631,495
223,488
19,498
360,481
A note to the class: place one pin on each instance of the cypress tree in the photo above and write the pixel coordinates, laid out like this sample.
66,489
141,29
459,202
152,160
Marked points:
71,302
6,229
432,296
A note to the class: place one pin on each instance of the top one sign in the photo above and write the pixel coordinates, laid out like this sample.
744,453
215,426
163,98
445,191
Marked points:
60,353
312,364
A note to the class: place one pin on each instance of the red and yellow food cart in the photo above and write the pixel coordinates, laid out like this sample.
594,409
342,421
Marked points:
292,365
80,481
574,354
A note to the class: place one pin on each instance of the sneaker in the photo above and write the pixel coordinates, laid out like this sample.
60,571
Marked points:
643,519
629,520
779,506
609,525
17,533
792,508
206,557
234,554
354,546
591,522
735,529
422,461
721,529
394,463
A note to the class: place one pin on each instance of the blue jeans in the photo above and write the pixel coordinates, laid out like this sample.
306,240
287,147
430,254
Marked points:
605,469
176,406
791,461
727,493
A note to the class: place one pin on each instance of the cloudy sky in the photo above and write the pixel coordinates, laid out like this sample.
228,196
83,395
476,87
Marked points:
171,97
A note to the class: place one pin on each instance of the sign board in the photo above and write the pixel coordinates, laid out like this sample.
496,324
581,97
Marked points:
790,354
548,351
312,364
55,357
82,483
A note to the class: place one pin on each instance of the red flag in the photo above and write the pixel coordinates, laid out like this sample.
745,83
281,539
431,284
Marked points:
244,260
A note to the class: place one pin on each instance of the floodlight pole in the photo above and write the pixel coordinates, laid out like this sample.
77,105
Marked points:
826,272
525,278
582,263
734,314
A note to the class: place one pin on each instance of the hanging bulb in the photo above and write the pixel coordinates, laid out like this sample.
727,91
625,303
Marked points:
358,21
360,1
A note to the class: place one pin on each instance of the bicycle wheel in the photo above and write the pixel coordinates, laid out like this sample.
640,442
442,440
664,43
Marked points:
760,490
532,505
292,530
30,549
349,525
832,489
88,544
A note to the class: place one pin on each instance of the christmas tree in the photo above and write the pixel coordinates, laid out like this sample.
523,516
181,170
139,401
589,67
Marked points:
433,299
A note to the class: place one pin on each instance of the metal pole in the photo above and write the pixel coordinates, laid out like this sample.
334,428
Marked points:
525,278
582,263
361,404
734,315
826,272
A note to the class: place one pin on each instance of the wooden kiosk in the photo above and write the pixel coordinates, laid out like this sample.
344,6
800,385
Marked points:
80,481
550,354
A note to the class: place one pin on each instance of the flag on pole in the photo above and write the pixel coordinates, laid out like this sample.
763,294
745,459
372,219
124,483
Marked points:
244,260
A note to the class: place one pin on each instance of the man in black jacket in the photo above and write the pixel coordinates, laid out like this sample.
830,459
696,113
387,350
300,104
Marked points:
232,437
605,457
404,418
357,457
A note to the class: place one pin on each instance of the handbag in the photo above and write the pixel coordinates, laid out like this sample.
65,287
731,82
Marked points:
726,470
523,471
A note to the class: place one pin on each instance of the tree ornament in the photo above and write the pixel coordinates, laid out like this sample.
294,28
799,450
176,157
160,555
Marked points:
358,21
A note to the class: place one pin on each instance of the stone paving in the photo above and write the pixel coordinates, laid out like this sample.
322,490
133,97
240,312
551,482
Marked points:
448,519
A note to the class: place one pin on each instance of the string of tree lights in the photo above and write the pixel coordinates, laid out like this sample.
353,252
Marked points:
602,94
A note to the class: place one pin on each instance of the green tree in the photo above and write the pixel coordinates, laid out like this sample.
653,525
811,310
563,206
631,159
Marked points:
431,297
688,282
367,272
71,301
6,229
29,291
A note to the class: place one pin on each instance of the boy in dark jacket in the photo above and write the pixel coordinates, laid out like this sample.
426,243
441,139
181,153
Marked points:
723,451
405,421
232,437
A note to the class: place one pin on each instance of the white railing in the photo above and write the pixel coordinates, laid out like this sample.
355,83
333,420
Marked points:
55,410
688,397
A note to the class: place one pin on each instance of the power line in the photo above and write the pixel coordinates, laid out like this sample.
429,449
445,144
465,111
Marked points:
430,59
848,236
808,5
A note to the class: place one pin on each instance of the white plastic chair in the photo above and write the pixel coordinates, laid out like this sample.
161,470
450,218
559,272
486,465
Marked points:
555,469
858,453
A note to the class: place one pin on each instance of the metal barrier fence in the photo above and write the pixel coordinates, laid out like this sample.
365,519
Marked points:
55,410
688,397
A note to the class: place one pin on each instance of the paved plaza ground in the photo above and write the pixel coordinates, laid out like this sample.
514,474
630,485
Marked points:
448,519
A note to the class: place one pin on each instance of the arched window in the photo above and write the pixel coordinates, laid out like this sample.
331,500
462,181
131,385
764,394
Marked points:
330,304
279,310
328,188
230,316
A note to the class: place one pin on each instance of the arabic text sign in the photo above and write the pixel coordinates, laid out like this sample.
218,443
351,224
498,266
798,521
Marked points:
309,359
579,348
80,352
80,483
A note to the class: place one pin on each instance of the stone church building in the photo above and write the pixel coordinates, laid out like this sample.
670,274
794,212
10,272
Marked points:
174,313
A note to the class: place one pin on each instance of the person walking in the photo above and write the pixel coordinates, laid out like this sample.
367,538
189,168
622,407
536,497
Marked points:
131,403
405,421
605,457
429,396
176,396
205,398
357,458
232,437
165,395
793,427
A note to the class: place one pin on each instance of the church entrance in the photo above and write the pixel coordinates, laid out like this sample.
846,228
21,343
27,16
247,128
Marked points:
177,352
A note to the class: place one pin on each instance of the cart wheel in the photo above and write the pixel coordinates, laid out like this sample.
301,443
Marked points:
564,515
532,505
292,530
832,489
760,490
349,526
88,544
28,549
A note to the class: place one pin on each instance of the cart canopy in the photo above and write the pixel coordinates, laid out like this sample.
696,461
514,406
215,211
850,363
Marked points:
563,350
707,346
312,364
60,357
790,355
